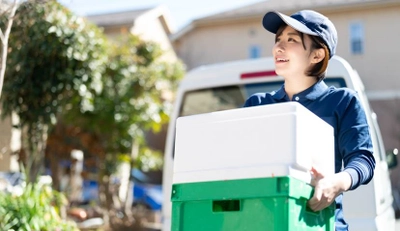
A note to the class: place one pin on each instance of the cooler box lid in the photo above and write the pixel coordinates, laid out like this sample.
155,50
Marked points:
284,139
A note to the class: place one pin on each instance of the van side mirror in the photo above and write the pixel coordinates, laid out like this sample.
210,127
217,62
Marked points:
391,158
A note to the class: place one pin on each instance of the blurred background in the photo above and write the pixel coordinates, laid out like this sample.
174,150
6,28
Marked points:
87,88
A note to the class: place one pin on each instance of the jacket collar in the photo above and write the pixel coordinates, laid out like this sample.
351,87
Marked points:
311,93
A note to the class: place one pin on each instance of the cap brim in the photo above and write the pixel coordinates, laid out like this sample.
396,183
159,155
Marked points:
273,20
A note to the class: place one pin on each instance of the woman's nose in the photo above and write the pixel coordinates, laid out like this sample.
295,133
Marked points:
279,47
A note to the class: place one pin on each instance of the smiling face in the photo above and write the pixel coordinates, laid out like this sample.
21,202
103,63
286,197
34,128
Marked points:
293,54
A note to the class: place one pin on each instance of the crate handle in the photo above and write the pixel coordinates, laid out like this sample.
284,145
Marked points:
309,210
226,206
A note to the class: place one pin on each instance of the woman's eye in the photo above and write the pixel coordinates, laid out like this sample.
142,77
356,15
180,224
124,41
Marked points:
291,40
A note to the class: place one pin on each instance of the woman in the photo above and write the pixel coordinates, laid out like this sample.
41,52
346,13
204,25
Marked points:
304,43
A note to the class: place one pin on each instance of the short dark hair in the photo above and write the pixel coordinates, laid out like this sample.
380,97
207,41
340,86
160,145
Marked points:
318,69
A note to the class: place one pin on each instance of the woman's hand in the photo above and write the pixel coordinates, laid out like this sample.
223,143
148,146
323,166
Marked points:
327,188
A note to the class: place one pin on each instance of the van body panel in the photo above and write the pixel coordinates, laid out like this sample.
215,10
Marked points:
367,208
385,221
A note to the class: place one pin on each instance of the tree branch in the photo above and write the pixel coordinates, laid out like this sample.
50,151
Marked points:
4,42
1,36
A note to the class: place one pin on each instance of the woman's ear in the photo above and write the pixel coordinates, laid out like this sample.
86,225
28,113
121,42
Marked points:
318,55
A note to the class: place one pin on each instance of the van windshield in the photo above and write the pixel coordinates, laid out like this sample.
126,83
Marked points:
230,97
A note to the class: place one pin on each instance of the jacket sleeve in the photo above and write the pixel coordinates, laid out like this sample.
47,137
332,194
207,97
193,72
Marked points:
355,143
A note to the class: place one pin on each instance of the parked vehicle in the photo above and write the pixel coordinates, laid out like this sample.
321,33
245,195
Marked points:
227,85
146,192
11,182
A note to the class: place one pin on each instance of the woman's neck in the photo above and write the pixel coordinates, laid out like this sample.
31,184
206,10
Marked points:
294,86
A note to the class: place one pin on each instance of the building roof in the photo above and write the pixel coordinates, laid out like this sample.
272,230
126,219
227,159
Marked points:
129,17
257,10
288,5
116,18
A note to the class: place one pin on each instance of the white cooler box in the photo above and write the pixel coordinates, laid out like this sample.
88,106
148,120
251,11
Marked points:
284,139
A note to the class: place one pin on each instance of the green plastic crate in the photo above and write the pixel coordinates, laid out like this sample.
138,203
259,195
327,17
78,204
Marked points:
273,204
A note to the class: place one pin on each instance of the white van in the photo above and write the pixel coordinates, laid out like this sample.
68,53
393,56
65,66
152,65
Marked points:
227,85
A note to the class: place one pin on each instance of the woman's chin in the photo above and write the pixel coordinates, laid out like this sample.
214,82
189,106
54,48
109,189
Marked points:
279,71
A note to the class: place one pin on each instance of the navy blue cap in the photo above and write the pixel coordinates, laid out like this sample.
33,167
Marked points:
306,21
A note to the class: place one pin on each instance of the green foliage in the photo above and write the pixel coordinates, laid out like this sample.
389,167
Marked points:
53,55
54,58
37,208
149,159
60,66
131,101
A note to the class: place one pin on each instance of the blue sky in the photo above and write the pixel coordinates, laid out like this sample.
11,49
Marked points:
182,11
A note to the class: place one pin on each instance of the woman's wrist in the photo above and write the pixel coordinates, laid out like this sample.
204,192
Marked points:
344,181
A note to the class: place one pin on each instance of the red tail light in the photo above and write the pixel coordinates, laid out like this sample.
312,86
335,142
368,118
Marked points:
257,74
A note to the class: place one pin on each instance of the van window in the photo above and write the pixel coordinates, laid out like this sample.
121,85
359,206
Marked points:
230,97
211,99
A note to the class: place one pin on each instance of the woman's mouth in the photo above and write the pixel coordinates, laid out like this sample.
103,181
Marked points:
281,60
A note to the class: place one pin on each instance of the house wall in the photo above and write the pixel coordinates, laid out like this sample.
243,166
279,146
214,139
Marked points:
212,43
379,64
208,44
8,161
